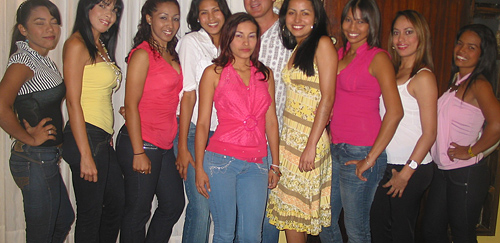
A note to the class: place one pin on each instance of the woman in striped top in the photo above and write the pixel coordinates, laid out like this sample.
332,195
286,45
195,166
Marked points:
31,92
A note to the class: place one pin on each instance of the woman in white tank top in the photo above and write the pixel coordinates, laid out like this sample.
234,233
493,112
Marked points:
397,200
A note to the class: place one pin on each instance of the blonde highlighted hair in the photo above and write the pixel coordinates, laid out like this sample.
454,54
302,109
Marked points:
423,56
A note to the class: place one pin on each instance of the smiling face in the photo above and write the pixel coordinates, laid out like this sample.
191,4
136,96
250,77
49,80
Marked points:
42,30
259,8
300,19
467,51
355,29
210,17
404,37
102,16
164,22
245,40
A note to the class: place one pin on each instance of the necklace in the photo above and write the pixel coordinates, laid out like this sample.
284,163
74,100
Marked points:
118,73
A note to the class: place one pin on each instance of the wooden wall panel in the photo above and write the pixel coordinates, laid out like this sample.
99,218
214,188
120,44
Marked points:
445,17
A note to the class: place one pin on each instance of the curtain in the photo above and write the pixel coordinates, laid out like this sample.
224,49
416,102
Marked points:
12,225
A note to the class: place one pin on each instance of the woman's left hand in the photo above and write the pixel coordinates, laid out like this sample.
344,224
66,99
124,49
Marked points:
272,179
398,183
456,151
361,167
306,162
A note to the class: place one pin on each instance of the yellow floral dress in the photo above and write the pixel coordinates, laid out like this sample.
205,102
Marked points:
301,201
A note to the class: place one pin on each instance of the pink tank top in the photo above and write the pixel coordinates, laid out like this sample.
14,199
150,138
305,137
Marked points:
241,111
458,122
356,118
159,101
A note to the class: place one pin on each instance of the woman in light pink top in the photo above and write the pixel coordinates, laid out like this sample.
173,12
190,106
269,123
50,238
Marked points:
461,181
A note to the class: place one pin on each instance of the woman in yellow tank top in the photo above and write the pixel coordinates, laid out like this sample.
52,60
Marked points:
90,77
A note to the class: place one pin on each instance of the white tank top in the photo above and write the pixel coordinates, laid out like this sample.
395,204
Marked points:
409,130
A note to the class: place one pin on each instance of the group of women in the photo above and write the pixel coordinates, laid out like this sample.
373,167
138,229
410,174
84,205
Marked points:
382,108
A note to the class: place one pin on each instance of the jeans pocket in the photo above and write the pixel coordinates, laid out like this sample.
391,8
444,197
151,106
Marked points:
20,170
216,163
351,152
459,177
51,167
264,166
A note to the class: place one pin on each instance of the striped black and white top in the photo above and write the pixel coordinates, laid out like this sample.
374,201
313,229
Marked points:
46,75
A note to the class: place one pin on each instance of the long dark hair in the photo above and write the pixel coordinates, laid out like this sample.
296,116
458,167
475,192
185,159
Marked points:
227,36
486,64
304,57
370,14
144,29
423,55
22,15
194,11
84,27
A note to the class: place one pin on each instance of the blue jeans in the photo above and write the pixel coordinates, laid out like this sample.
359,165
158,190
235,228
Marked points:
270,234
197,221
47,209
352,194
99,204
237,198
164,182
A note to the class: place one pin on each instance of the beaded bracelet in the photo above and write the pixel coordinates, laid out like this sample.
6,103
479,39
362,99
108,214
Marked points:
278,173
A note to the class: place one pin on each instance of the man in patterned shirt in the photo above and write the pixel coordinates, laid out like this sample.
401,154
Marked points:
275,56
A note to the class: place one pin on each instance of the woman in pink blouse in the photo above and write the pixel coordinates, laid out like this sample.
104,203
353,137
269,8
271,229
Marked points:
233,171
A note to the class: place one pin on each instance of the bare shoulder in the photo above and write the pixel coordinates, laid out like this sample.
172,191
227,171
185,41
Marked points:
381,57
75,46
424,77
212,71
381,65
325,43
482,86
139,55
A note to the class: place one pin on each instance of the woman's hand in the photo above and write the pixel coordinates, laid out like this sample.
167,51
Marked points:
202,182
361,167
306,162
398,183
456,151
184,158
41,133
273,177
88,171
142,164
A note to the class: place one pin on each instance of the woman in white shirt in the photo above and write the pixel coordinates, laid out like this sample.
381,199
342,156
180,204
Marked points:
196,51
409,172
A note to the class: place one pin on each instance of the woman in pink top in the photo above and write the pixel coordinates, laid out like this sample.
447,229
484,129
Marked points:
359,136
461,181
145,143
233,171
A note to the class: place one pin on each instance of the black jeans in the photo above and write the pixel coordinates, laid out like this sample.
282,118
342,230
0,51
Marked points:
164,182
393,219
99,205
455,199
47,208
